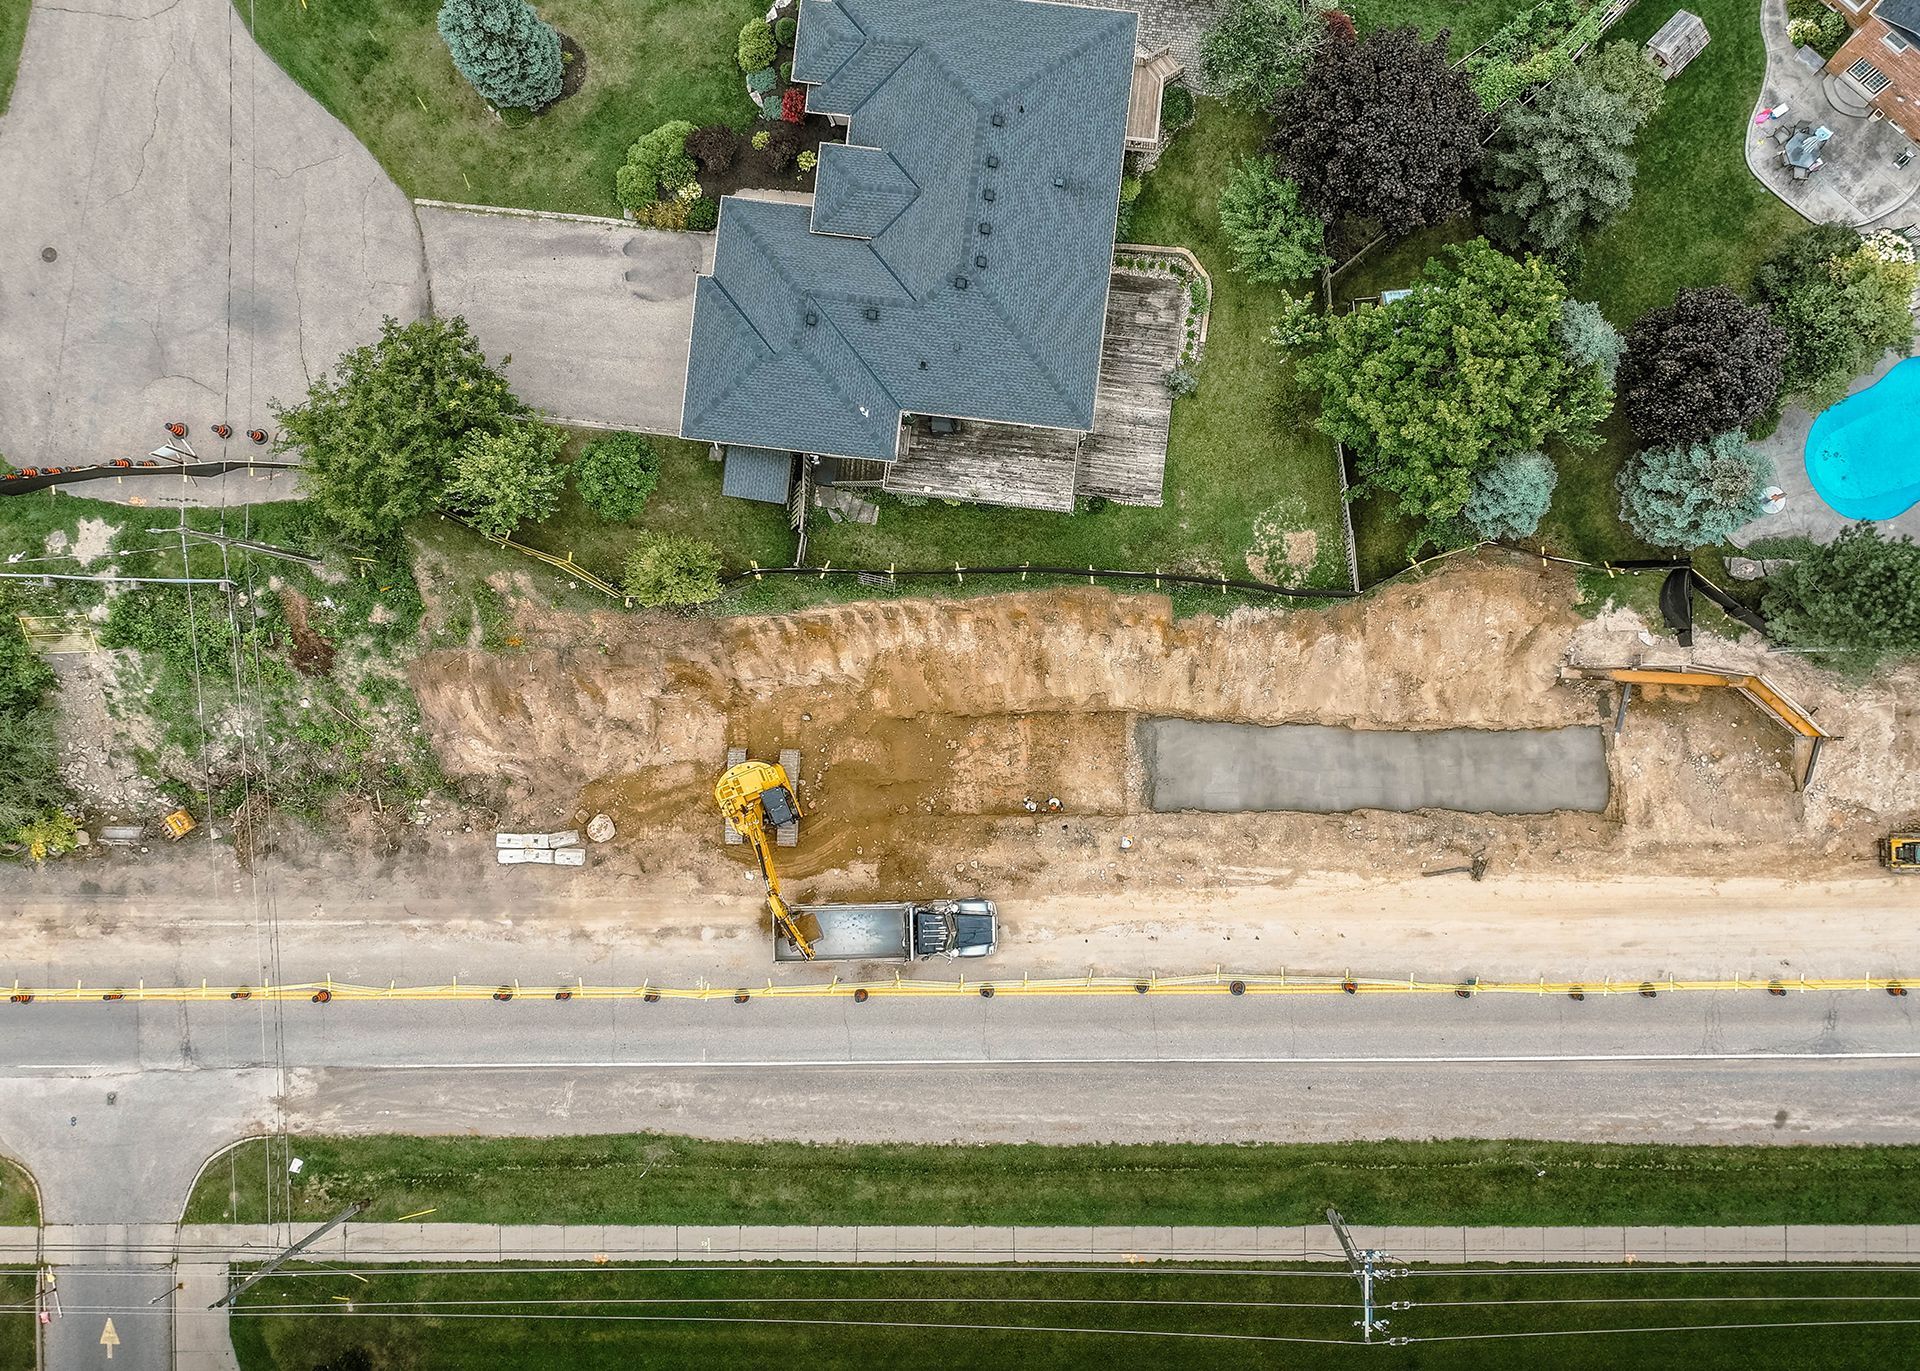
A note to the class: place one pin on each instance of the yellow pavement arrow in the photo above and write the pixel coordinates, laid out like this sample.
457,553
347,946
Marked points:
109,1339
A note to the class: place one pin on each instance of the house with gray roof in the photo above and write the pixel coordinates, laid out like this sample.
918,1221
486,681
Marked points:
956,259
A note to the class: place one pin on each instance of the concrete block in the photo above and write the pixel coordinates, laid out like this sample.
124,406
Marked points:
921,1244
1826,1243
718,1243
1051,1244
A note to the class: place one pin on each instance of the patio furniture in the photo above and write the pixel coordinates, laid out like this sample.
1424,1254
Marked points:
1800,173
1803,151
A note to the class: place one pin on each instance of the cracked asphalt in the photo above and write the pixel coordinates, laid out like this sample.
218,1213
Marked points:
218,238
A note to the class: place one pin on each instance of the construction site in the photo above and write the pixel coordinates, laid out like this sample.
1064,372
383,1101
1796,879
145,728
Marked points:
1061,744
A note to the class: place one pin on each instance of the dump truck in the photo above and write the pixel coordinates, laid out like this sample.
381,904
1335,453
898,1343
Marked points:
892,932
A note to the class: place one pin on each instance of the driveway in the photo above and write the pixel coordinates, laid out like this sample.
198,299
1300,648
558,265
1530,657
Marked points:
217,237
594,312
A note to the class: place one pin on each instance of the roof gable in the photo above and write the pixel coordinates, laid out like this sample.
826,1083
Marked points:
960,243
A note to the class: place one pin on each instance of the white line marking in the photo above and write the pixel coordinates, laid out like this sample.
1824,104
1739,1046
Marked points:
857,1065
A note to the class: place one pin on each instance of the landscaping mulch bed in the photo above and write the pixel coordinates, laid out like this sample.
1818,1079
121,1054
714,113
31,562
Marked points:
750,168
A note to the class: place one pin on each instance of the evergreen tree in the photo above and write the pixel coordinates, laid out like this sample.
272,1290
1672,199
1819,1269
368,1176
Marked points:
1859,596
1690,496
508,53
1561,167
1510,496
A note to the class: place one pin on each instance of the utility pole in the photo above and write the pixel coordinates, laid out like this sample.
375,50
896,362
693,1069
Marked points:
1364,1265
269,1268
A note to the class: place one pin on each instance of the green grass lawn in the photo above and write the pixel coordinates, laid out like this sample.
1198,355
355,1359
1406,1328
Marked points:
1238,476
1698,218
19,1206
17,1351
652,1178
1487,1319
13,33
381,68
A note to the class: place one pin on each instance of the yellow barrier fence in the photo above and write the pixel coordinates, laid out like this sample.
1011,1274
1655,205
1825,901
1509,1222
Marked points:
1218,983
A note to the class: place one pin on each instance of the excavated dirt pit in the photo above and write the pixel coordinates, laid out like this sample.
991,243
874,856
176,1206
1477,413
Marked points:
924,725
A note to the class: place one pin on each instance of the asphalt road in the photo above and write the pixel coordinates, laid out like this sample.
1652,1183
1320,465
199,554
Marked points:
114,1107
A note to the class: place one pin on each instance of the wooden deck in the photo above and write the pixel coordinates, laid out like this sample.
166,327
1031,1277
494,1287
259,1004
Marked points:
1124,458
1151,75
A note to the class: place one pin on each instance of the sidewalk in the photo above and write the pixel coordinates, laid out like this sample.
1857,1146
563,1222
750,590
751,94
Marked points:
464,1242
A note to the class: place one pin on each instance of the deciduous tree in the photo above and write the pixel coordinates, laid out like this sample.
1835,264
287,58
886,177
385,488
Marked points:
1274,238
1257,50
1466,370
509,54
377,436
1384,129
1841,302
1706,364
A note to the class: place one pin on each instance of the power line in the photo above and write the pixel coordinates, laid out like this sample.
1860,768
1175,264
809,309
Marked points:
1672,1328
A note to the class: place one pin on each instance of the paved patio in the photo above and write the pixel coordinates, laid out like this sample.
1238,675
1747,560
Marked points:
1857,182
1806,515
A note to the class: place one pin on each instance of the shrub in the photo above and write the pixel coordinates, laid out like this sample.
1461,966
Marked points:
1708,363
675,214
1685,497
1180,381
615,474
672,571
1176,109
1510,496
656,159
703,215
807,160
1273,237
502,480
783,143
378,440
506,51
713,146
785,72
784,29
756,49
1858,596
1588,339
793,104
50,835
760,139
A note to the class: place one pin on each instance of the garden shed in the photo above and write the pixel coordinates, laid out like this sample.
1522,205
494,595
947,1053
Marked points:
1679,40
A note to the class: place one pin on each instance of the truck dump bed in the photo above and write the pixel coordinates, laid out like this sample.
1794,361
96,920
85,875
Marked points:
852,933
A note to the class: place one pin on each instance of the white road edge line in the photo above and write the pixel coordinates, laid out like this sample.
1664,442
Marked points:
764,1063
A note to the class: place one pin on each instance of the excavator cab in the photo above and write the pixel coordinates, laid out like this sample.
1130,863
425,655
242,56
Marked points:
757,798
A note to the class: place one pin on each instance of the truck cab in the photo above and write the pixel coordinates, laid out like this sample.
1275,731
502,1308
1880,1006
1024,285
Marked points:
955,928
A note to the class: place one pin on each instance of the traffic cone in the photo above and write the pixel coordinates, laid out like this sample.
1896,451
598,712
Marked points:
259,436
224,430
177,429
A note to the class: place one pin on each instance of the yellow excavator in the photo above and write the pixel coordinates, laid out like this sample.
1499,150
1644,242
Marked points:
757,798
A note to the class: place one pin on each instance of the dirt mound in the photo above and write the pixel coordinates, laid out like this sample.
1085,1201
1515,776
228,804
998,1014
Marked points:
924,724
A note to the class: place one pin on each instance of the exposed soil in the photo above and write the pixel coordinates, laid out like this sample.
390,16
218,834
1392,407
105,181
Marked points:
752,168
573,73
312,655
925,724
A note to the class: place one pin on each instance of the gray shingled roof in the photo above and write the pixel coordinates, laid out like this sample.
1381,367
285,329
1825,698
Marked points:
1902,14
757,473
957,255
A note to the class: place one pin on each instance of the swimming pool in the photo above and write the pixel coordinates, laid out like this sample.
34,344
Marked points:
1863,454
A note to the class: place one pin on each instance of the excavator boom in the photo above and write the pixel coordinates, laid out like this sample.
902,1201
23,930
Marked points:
757,797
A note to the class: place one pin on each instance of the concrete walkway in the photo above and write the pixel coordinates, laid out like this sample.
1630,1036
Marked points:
200,1337
1858,183
185,235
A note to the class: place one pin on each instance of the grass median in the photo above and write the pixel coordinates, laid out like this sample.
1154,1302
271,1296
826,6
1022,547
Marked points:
1169,1317
16,1321
664,1179
19,1205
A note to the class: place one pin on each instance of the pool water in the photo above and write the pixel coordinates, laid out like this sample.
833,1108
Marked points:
1863,454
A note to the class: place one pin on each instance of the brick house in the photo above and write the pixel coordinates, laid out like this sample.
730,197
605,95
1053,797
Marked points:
1880,61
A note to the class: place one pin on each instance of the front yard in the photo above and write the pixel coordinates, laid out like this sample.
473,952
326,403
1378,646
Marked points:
381,68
